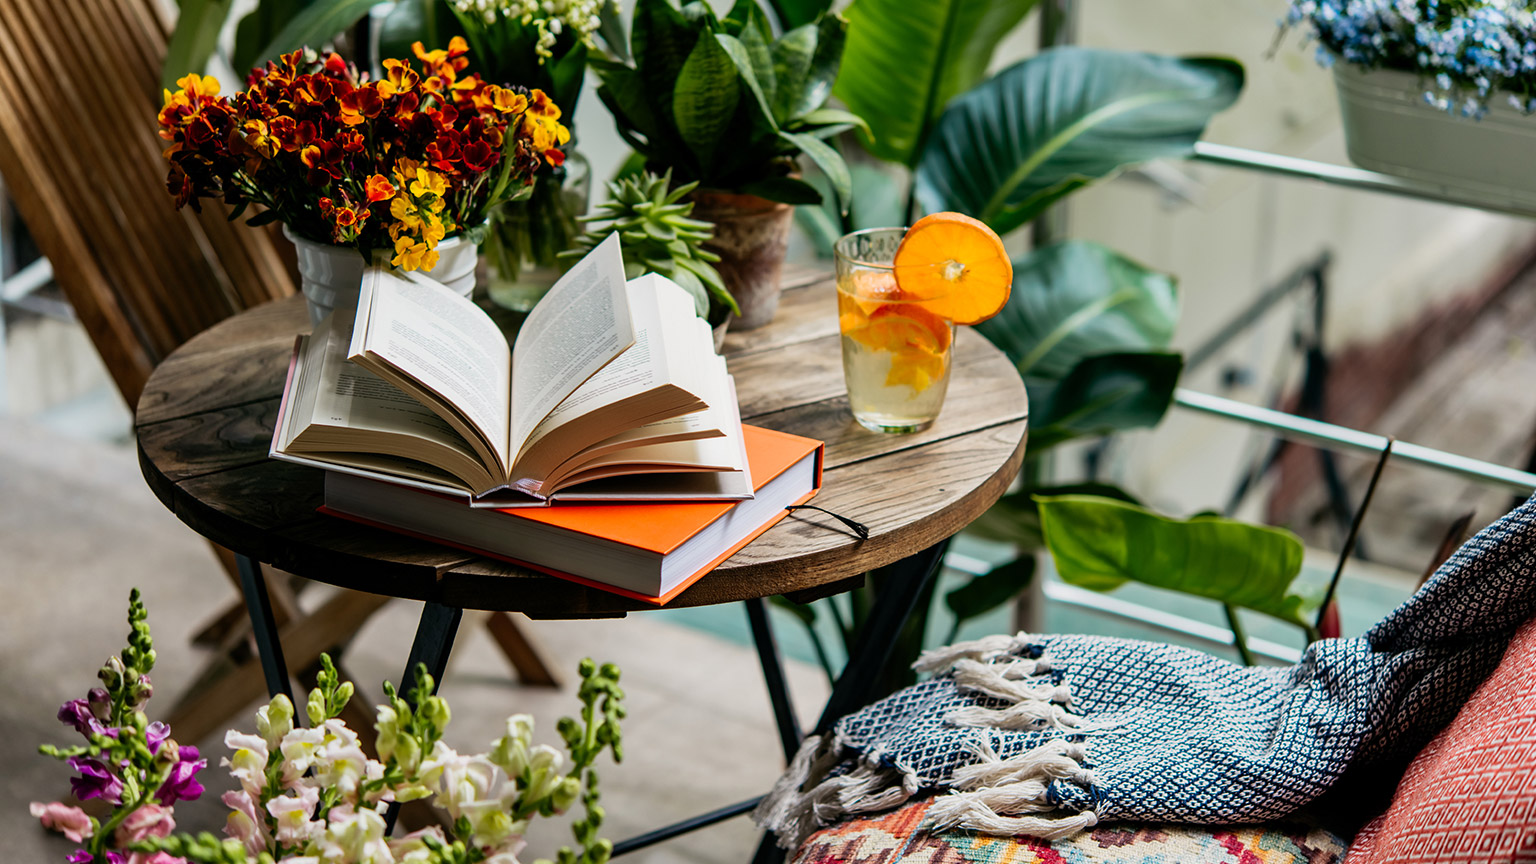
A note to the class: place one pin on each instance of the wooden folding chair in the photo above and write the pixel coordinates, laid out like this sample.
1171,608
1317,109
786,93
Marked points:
79,154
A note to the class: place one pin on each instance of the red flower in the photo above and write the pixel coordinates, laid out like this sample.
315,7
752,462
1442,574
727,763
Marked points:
478,156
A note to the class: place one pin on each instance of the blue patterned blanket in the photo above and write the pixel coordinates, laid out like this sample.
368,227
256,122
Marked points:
1048,735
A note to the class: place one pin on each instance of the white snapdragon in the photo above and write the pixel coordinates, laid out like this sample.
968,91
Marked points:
274,720
294,815
355,836
248,762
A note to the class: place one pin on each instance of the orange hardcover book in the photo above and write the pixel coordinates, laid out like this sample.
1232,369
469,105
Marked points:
645,551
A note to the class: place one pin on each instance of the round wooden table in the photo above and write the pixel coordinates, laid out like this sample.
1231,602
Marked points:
205,419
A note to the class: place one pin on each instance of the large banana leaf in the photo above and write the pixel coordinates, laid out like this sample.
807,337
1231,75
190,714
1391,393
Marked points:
906,60
194,40
1040,129
1101,544
1076,299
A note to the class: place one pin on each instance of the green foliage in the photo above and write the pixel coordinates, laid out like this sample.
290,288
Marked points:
316,23
658,236
194,39
1101,544
722,103
273,28
1088,328
1061,120
1076,299
906,60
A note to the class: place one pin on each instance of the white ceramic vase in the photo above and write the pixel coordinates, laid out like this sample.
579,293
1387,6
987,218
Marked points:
331,276
1388,127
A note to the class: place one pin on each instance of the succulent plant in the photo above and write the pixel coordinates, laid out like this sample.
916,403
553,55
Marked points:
658,237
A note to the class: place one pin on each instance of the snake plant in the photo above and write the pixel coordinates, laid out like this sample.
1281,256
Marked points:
658,236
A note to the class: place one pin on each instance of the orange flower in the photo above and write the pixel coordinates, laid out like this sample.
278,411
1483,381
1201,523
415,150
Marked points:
346,217
379,188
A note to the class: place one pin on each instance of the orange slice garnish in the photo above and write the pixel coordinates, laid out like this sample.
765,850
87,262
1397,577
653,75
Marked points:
956,265
916,369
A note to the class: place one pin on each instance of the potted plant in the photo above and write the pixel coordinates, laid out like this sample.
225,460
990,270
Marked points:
1436,90
721,103
403,170
544,46
658,236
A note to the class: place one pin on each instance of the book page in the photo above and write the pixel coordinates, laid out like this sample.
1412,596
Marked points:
581,325
337,407
433,337
662,312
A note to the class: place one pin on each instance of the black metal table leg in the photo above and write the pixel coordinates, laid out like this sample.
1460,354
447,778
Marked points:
901,584
434,641
432,645
264,626
773,675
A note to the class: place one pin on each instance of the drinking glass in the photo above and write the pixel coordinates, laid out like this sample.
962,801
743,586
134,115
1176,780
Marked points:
896,353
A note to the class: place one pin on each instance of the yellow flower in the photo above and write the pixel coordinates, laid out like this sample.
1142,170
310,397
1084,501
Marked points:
428,183
407,215
198,85
433,233
409,254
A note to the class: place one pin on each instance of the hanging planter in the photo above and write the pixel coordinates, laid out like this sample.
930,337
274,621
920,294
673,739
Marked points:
1391,128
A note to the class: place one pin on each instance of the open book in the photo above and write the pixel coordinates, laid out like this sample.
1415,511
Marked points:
608,379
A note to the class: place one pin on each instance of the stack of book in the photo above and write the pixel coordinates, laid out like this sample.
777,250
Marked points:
605,446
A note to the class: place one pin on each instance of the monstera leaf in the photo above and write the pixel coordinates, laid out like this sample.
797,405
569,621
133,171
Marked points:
906,60
1038,130
1100,543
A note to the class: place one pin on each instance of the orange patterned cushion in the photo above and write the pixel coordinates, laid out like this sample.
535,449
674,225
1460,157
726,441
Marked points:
894,838
1470,795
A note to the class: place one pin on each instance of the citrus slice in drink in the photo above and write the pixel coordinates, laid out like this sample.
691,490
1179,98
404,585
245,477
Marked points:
956,265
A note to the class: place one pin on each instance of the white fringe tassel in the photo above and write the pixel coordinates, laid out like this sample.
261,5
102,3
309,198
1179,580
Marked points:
988,648
805,798
991,796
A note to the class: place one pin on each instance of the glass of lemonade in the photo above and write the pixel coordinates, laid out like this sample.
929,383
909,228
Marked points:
896,353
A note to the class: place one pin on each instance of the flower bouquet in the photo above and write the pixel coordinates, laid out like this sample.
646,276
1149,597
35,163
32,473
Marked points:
311,795
1459,59
389,167
545,44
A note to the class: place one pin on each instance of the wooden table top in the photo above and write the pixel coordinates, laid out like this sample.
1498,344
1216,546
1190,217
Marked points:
205,420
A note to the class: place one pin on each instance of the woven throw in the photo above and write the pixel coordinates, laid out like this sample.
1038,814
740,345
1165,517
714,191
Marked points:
1046,736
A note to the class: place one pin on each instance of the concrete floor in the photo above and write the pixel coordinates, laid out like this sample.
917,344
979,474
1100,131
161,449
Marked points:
78,528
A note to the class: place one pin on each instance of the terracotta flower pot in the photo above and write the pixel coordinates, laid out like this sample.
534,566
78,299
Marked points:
751,237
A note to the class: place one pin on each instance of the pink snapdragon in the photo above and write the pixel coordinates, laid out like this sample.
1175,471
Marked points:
69,821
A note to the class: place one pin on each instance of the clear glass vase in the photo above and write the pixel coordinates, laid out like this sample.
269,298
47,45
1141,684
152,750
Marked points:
525,236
